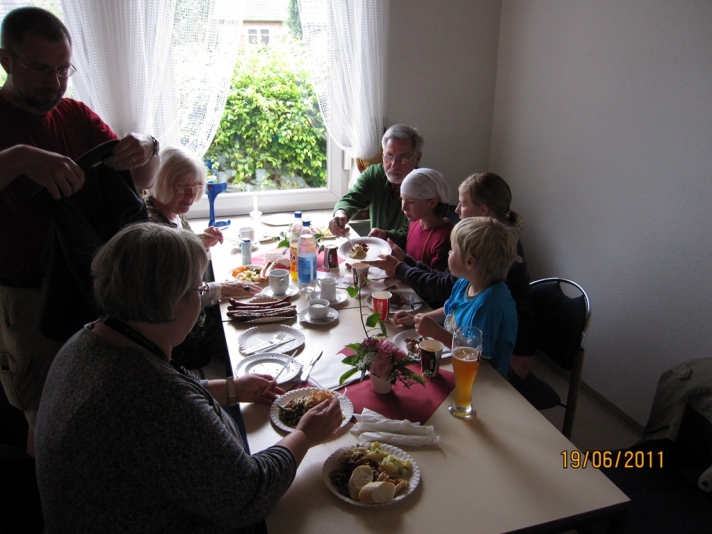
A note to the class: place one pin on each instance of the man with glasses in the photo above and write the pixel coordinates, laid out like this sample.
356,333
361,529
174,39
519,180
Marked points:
378,187
42,134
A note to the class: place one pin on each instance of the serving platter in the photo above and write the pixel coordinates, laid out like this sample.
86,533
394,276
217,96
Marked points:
347,407
332,463
376,246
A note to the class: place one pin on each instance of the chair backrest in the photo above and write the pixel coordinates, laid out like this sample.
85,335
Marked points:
561,320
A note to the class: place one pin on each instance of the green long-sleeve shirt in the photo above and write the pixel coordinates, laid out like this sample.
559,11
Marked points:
373,190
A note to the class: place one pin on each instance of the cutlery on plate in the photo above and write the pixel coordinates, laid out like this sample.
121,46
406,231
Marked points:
286,364
305,372
277,337
273,345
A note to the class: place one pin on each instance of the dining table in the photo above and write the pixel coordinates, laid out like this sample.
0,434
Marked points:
508,469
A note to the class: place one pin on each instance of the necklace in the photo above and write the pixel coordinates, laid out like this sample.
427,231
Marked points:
138,338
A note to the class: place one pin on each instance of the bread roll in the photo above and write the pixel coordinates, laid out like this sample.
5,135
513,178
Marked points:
377,492
361,476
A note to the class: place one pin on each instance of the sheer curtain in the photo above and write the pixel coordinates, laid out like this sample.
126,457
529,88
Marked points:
161,67
347,45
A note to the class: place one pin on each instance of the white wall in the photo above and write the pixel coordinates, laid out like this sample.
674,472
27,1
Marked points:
602,125
442,59
603,128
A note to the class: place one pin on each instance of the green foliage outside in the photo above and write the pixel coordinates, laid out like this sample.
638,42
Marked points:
271,122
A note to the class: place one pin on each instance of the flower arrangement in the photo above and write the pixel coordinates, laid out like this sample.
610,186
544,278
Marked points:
377,354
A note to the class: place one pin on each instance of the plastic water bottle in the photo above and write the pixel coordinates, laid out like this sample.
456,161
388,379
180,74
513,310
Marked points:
306,260
295,230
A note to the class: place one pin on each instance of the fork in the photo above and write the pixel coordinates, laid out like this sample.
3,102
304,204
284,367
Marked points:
277,337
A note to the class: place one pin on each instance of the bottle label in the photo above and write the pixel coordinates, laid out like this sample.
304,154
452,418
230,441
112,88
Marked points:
307,269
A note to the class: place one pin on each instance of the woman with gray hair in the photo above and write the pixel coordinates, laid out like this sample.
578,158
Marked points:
180,181
127,442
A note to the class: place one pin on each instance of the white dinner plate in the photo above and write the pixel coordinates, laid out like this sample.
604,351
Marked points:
305,317
341,296
291,291
347,408
251,266
376,246
253,336
270,363
332,463
399,339
405,294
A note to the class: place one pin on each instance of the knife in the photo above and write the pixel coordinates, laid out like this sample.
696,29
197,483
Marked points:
269,346
309,367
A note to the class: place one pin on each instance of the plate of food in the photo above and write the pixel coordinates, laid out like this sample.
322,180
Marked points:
400,300
270,363
288,409
371,474
247,273
364,248
251,338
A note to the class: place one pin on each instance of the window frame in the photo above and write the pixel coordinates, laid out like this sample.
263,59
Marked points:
338,166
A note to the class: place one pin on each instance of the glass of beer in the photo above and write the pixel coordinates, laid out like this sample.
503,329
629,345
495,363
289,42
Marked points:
466,353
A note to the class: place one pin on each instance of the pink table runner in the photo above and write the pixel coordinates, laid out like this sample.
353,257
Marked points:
416,403
259,259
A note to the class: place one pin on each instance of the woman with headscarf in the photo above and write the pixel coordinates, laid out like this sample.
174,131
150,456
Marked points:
127,442
425,198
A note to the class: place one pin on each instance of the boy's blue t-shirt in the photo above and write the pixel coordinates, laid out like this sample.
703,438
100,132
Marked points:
493,311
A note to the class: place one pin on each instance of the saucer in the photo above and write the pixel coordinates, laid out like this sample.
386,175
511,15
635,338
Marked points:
291,291
341,296
305,317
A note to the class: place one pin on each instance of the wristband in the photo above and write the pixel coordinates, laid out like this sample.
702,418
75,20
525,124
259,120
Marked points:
156,147
231,396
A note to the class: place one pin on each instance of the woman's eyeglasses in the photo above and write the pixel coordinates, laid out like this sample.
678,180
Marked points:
202,289
183,189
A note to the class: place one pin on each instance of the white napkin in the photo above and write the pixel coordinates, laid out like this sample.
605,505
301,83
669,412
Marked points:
372,426
328,370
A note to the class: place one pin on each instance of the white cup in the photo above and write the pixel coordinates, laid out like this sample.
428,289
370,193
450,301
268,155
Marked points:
279,281
318,308
247,232
328,288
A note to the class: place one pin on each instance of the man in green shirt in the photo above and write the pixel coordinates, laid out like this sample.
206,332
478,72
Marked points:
378,187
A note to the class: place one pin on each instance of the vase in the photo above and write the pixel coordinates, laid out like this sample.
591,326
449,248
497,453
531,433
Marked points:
380,385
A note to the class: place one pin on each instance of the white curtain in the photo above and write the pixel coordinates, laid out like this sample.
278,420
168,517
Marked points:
347,44
161,67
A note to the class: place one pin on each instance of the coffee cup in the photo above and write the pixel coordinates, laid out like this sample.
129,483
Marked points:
279,281
318,309
380,303
247,232
360,273
431,352
328,288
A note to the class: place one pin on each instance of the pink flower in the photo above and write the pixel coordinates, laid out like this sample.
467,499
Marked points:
381,367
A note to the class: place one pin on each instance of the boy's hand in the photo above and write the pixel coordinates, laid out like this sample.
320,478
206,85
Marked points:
426,326
403,318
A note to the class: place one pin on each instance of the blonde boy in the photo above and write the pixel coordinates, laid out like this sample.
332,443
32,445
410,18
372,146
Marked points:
483,250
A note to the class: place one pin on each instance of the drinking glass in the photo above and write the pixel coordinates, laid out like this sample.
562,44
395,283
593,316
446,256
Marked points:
466,353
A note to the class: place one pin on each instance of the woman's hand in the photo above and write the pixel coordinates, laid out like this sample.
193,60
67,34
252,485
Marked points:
254,387
321,422
211,237
238,289
403,318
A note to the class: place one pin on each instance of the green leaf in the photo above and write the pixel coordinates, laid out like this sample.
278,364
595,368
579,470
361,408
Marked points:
350,360
372,321
352,291
383,328
347,375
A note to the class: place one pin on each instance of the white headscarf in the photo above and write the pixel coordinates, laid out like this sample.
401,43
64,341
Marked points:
426,183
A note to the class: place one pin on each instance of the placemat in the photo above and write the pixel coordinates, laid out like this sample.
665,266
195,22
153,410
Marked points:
416,403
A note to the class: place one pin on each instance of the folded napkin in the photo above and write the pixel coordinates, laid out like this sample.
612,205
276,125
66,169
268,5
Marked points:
372,426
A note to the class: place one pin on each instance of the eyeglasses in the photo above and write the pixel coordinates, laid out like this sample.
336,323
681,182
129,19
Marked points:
202,289
183,189
45,70
402,160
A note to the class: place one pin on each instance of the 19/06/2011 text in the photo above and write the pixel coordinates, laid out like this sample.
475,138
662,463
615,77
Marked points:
606,459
